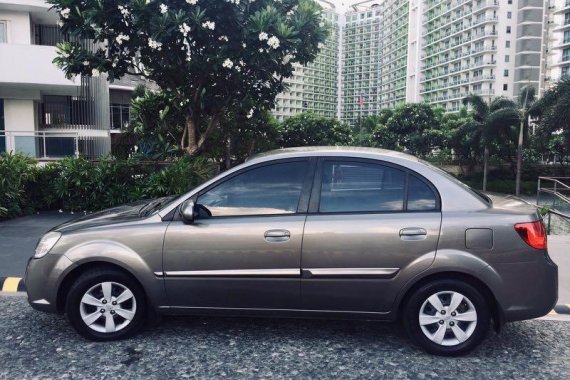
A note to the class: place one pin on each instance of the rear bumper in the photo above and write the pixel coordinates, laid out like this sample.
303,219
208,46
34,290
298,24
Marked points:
528,290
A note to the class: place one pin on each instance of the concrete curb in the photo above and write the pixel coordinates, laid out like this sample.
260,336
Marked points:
12,284
16,284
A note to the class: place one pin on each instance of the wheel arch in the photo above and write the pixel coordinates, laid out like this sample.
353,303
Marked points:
495,309
65,285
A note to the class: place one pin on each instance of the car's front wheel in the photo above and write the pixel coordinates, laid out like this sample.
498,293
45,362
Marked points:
447,317
106,304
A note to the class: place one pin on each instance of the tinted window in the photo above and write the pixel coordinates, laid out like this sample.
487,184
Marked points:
272,189
420,196
355,186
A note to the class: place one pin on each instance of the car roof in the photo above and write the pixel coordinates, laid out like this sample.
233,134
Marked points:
332,150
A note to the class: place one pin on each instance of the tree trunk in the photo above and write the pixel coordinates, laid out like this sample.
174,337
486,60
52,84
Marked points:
189,142
228,153
519,160
485,166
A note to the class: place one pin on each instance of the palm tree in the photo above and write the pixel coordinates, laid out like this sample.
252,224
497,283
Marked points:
490,120
553,110
525,103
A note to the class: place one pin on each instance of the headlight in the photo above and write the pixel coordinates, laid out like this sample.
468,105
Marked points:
46,244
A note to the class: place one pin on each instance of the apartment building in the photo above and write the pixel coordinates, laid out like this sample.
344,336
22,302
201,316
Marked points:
557,57
314,86
42,113
440,51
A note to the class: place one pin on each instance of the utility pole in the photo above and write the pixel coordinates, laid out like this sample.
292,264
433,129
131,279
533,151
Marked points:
523,116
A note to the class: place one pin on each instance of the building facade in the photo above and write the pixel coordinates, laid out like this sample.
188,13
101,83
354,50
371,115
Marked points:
42,113
557,57
440,51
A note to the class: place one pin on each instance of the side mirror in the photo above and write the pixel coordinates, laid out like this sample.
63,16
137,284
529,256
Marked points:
187,211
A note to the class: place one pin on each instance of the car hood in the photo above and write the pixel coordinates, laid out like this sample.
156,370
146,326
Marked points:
125,213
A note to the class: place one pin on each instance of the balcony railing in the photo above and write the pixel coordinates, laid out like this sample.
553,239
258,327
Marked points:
41,145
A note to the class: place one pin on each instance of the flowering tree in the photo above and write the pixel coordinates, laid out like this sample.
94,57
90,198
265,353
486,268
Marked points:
208,55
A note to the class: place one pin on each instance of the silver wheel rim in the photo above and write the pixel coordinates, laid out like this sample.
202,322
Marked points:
448,318
108,307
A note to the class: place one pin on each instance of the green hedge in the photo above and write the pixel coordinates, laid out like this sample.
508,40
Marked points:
76,184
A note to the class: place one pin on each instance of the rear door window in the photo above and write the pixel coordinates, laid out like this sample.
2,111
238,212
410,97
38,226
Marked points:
360,187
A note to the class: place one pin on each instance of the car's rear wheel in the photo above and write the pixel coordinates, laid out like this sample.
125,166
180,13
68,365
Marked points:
106,304
447,317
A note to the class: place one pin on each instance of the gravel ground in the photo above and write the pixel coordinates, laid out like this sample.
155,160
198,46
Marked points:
38,345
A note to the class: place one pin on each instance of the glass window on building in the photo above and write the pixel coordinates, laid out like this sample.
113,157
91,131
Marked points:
508,30
507,58
565,71
3,31
506,73
566,54
508,44
566,36
120,116
505,87
509,15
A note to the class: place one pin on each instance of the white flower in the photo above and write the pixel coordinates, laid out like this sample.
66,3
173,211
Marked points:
60,23
184,29
320,45
273,42
85,63
95,73
124,11
65,13
261,50
286,59
263,36
321,24
209,25
244,45
147,2
223,38
192,2
228,63
154,44
236,2
121,37
238,69
163,8
241,62
250,114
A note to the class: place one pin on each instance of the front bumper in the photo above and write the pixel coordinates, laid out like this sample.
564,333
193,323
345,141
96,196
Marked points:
43,278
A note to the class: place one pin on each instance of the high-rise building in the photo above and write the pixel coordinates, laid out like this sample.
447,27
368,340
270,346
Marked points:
314,86
557,61
440,51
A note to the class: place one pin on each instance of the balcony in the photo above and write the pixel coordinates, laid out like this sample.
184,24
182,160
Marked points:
30,66
41,145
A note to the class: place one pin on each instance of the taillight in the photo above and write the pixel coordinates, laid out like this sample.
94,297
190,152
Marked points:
533,233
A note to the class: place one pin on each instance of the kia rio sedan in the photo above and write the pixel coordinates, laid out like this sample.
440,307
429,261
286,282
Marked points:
305,232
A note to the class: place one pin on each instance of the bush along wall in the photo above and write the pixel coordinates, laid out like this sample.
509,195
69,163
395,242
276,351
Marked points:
76,184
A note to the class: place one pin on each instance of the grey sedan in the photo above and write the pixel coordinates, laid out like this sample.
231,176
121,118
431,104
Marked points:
306,232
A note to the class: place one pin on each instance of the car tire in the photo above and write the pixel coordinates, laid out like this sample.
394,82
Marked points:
106,304
447,317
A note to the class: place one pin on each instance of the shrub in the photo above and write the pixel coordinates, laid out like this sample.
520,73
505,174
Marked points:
15,171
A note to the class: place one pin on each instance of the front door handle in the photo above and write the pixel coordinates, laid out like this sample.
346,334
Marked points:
277,236
413,233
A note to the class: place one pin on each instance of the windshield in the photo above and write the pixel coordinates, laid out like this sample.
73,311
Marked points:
155,205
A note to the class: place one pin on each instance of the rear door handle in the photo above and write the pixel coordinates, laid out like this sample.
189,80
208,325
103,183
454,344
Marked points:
277,236
413,233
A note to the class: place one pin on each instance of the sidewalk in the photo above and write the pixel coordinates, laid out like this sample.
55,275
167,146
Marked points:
559,251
